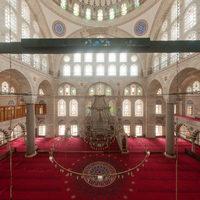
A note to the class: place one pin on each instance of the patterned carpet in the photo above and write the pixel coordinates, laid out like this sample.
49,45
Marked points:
37,178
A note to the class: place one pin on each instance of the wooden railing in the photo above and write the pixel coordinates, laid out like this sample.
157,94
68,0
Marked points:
15,112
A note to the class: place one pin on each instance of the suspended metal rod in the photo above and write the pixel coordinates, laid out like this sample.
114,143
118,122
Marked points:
72,45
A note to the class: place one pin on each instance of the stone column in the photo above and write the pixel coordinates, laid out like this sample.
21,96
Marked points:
169,149
30,127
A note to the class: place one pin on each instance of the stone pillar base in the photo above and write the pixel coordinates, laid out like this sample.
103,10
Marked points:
169,156
31,155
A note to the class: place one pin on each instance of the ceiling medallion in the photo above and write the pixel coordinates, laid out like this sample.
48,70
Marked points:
100,174
59,28
141,27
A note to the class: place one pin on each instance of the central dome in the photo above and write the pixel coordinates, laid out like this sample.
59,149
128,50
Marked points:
99,10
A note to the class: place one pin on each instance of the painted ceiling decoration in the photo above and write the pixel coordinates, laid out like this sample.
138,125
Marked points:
99,10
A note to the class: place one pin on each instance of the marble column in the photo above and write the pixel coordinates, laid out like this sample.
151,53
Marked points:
30,127
169,149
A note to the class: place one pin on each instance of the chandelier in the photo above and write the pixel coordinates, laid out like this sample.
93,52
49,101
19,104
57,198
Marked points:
100,129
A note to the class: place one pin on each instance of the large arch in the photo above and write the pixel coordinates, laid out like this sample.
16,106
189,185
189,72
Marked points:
18,79
184,76
153,87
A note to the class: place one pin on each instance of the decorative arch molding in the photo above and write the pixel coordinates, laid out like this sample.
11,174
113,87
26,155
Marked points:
18,77
180,77
153,86
46,85
23,127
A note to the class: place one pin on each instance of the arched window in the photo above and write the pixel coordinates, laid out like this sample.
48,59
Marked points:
196,86
190,18
26,58
100,15
133,90
42,130
5,87
63,4
123,70
44,64
12,90
67,90
77,70
25,11
100,89
159,91
127,129
76,9
88,13
100,70
134,70
158,108
10,19
139,107
189,108
25,31
61,108
159,130
112,71
111,13
73,108
41,92
66,70
36,61
124,9
126,108
74,130
138,130
61,130
17,132
88,70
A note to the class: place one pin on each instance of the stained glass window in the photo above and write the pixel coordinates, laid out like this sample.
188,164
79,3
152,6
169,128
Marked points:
61,108
100,15
139,108
126,108
74,130
158,130
73,108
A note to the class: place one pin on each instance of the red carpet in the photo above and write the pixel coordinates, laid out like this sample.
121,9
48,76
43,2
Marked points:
37,179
